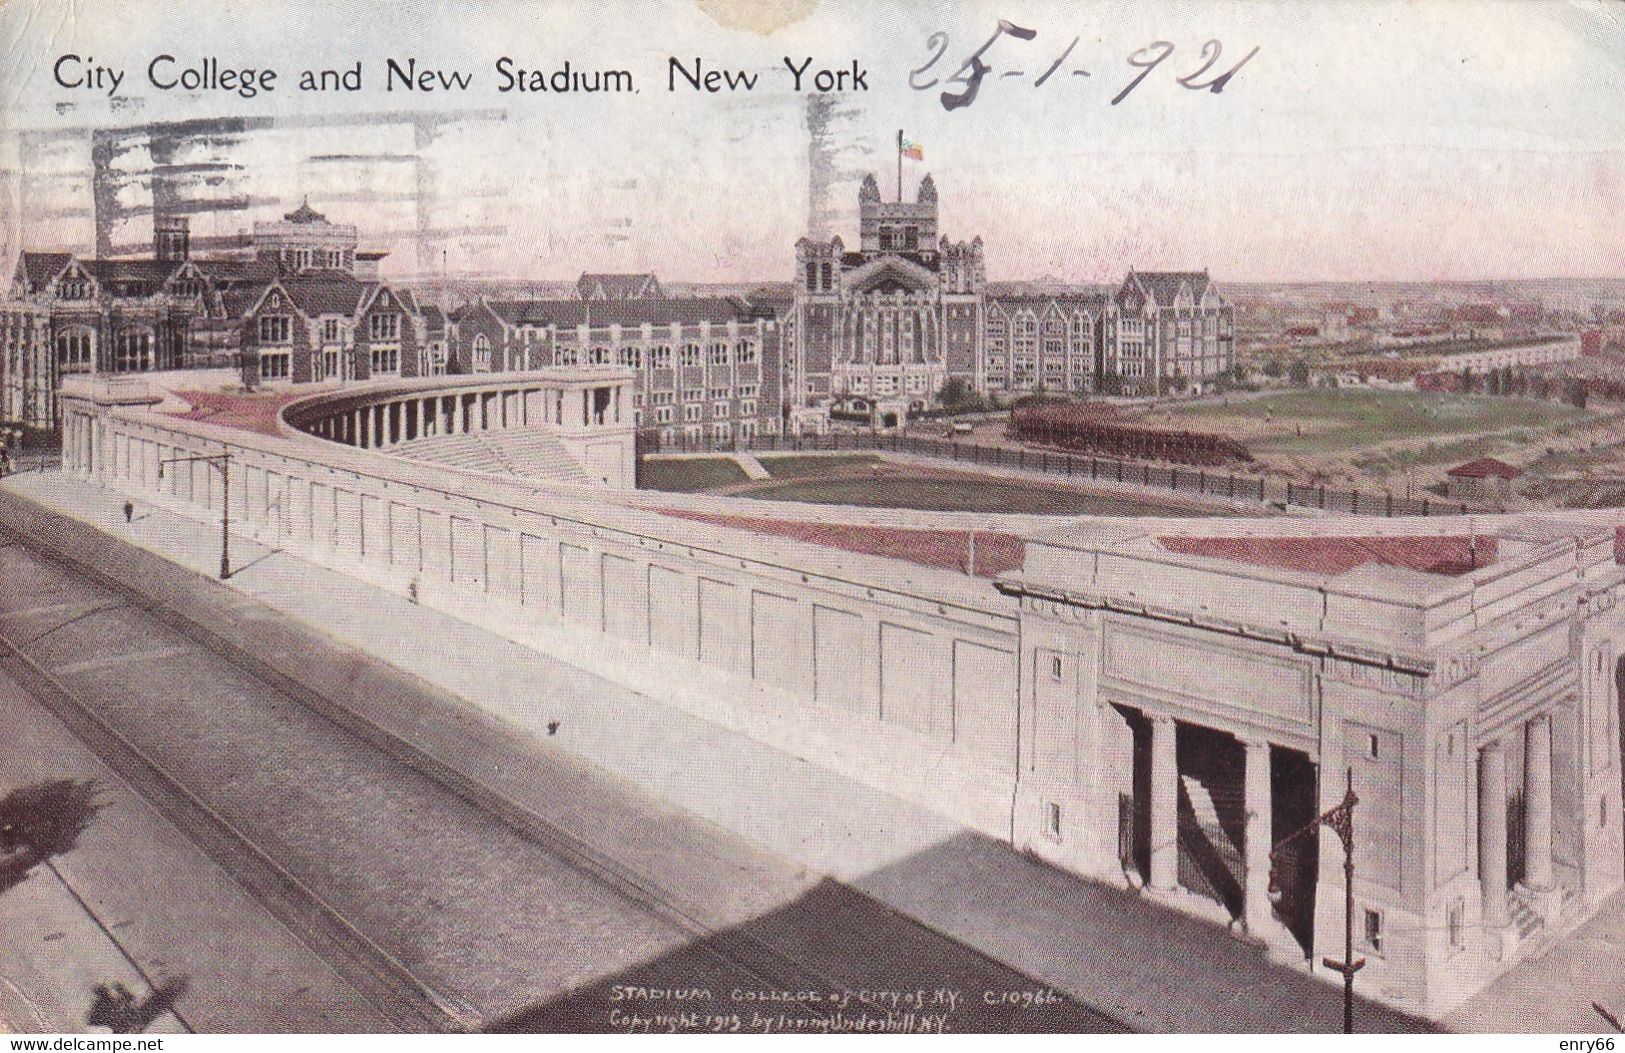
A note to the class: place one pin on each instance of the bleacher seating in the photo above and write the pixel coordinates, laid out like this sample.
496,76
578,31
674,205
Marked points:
520,452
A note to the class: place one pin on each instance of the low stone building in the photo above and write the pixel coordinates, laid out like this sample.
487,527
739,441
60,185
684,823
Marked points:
1485,480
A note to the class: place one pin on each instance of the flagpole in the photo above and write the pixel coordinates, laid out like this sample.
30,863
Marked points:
899,166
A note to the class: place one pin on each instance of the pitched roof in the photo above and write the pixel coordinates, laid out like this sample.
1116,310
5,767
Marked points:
1430,554
567,314
1485,468
148,273
324,292
1162,287
40,267
617,286
228,270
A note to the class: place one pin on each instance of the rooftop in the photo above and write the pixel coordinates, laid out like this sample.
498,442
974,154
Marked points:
1485,468
1451,555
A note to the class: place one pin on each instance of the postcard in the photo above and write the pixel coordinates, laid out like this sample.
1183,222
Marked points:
811,517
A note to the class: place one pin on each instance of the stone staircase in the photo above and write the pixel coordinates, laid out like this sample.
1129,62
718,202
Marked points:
1202,805
1523,917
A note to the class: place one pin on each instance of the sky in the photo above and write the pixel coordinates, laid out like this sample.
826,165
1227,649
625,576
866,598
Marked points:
1363,140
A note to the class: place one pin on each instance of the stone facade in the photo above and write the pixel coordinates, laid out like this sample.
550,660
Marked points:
707,368
172,311
1477,715
909,310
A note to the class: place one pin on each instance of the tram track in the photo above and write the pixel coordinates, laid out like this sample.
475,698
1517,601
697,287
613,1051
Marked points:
421,965
409,1001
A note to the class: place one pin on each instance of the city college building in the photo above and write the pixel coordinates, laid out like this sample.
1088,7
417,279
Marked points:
305,306
875,332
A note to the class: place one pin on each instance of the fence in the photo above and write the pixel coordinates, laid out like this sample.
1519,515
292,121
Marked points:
1177,479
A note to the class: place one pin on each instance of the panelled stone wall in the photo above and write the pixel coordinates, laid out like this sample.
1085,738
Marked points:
912,689
1143,717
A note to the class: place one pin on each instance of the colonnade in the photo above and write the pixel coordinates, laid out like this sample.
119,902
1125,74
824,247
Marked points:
1492,819
1257,836
403,418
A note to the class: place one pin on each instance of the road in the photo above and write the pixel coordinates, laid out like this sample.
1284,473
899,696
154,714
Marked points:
442,906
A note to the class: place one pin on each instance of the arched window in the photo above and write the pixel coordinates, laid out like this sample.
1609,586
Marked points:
482,352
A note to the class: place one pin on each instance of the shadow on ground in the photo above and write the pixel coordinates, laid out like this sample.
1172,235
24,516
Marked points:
862,966
41,821
116,1008
839,962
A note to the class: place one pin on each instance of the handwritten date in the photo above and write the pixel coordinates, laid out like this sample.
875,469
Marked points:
974,70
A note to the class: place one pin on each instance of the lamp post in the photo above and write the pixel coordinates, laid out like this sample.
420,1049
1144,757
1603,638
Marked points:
222,463
1341,820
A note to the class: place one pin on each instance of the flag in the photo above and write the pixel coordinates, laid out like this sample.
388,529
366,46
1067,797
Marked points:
913,150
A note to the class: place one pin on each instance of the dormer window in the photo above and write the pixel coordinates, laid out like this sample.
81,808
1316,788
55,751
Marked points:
74,288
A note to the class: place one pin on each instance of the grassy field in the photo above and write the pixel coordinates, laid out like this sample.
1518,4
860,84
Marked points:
811,466
686,475
1335,421
960,495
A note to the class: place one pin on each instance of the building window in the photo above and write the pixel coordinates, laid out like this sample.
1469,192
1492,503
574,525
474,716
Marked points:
662,414
275,364
1453,925
719,354
1052,820
693,412
276,329
1372,748
660,357
691,355
132,351
330,331
1373,931
747,408
1055,667
384,326
598,356
746,350
482,352
386,360
719,409
73,351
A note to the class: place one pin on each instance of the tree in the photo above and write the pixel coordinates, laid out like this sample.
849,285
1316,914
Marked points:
1273,369
957,394
1299,373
